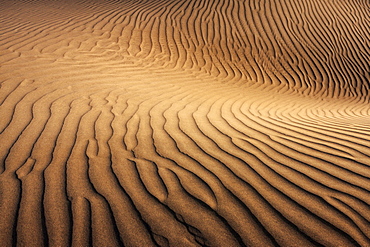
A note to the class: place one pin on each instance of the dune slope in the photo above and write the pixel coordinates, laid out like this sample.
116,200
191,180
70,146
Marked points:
185,123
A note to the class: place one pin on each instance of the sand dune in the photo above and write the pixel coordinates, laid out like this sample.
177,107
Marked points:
184,123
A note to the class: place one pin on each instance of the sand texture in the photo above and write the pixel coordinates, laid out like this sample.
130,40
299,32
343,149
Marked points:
185,123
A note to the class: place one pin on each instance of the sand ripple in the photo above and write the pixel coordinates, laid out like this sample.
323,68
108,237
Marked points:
184,123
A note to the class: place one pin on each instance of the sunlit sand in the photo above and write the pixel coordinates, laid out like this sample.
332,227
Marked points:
184,123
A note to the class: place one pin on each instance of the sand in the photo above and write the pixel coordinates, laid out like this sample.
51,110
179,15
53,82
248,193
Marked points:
185,123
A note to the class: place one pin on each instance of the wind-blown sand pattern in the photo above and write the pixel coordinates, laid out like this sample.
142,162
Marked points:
185,123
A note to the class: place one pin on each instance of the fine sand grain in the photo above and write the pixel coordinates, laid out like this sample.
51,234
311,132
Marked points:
185,123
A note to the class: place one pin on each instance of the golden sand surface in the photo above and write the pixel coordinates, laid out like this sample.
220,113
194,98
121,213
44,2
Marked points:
185,123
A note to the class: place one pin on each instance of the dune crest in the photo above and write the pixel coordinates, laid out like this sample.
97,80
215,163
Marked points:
184,123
